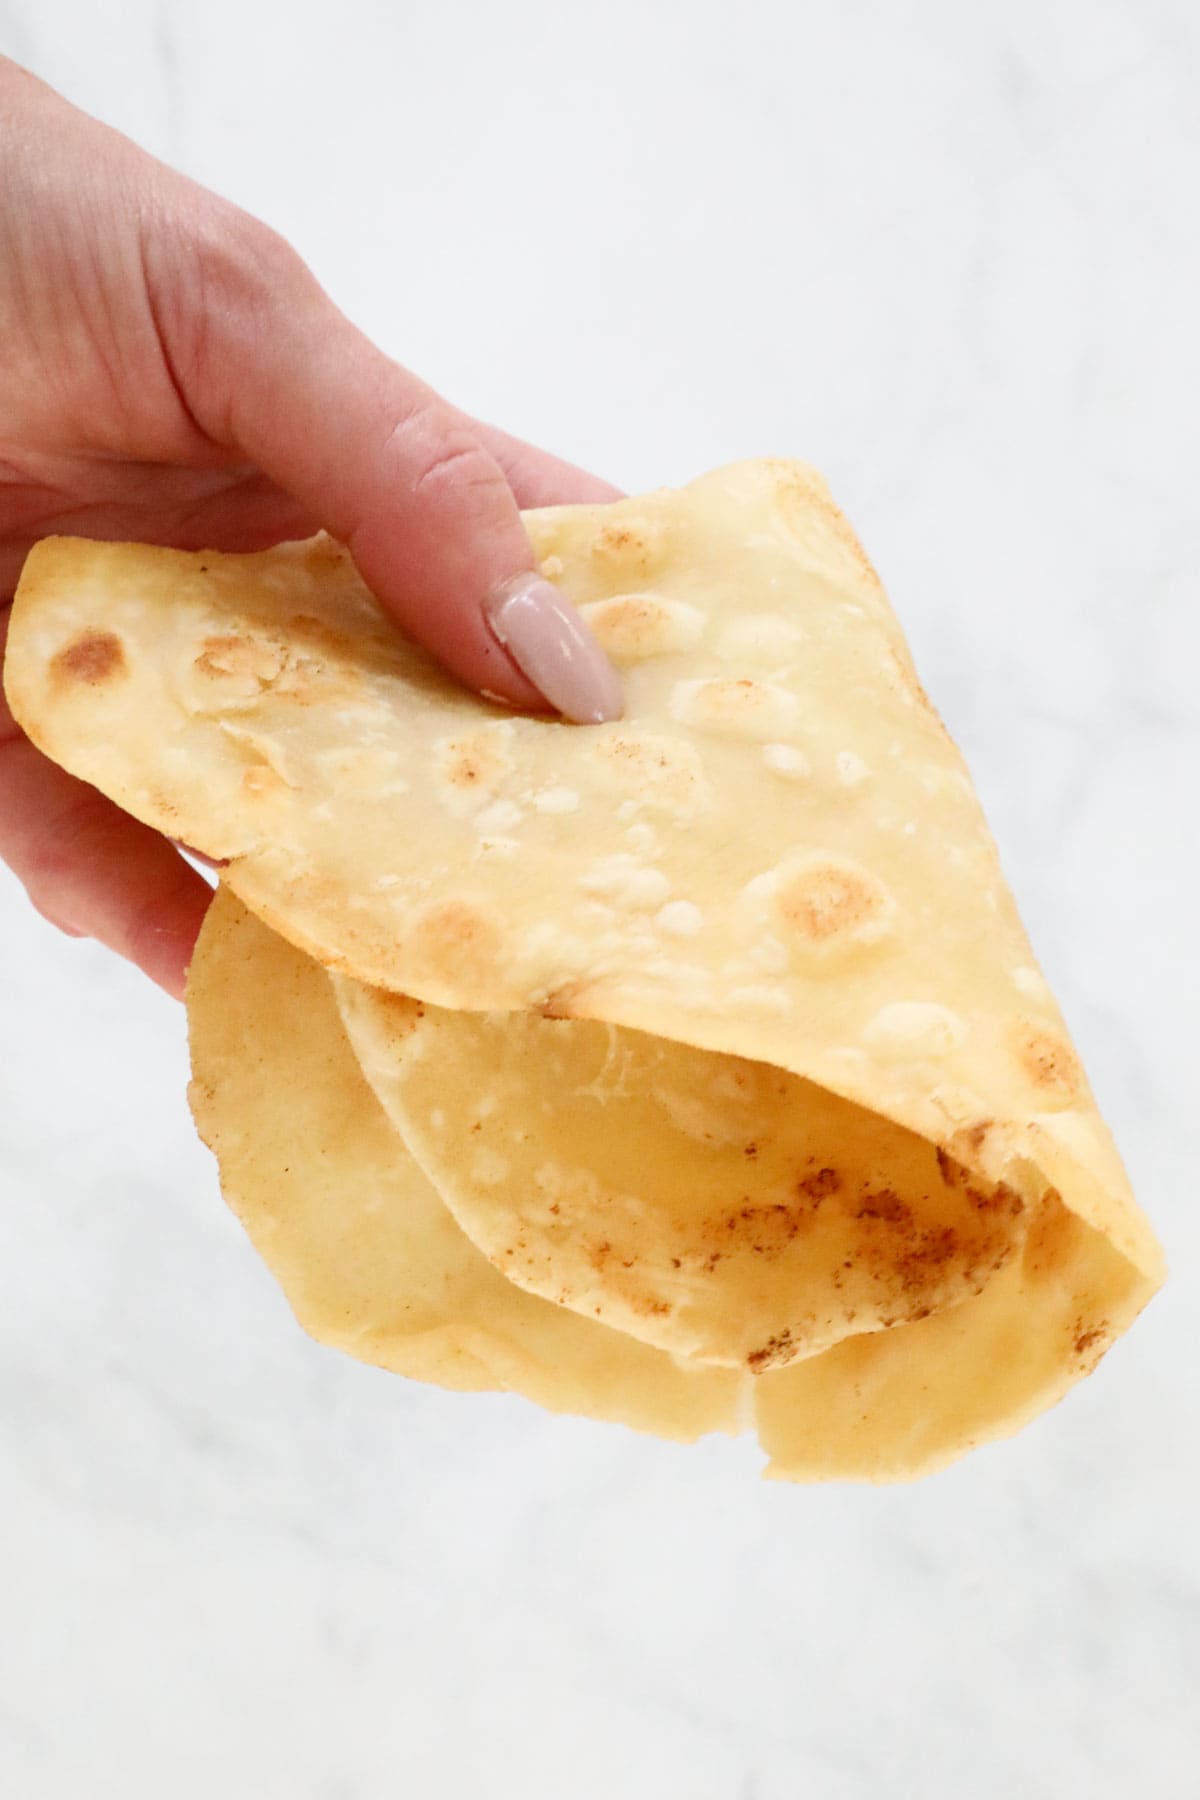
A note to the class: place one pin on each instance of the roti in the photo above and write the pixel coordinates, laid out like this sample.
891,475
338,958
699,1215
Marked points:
364,1249
713,1030
715,1207
374,1266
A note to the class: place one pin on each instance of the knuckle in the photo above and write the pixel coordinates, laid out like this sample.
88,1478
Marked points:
457,467
438,455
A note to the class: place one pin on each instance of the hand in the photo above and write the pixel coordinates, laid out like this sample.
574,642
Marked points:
171,372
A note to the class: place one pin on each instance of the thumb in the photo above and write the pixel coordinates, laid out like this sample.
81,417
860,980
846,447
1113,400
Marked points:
394,472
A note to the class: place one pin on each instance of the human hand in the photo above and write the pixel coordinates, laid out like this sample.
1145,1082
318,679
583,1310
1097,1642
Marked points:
173,373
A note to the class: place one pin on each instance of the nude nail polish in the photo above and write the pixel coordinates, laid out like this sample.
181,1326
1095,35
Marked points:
553,648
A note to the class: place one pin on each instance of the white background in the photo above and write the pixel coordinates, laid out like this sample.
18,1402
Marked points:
947,251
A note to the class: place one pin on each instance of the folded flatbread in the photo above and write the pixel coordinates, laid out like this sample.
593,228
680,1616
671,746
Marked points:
360,1241
715,1027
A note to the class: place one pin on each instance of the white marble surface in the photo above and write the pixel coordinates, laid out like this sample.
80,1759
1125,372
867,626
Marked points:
950,253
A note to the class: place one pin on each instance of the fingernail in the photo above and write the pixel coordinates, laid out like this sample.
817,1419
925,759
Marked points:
554,649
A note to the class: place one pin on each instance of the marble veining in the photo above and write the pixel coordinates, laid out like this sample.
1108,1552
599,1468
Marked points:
949,254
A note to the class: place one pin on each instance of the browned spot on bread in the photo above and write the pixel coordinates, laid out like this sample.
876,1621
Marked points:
774,1353
765,1230
1089,1342
828,900
648,1306
820,1184
633,544
166,808
1000,1198
885,1205
1048,1060
1086,1340
639,751
927,1250
478,761
929,1257
632,622
94,658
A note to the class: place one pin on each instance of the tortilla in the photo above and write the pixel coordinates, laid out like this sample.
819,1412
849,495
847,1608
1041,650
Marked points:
774,865
715,1207
897,1405
374,1266
364,1249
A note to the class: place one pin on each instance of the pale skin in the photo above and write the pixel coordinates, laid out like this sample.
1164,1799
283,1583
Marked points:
171,372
